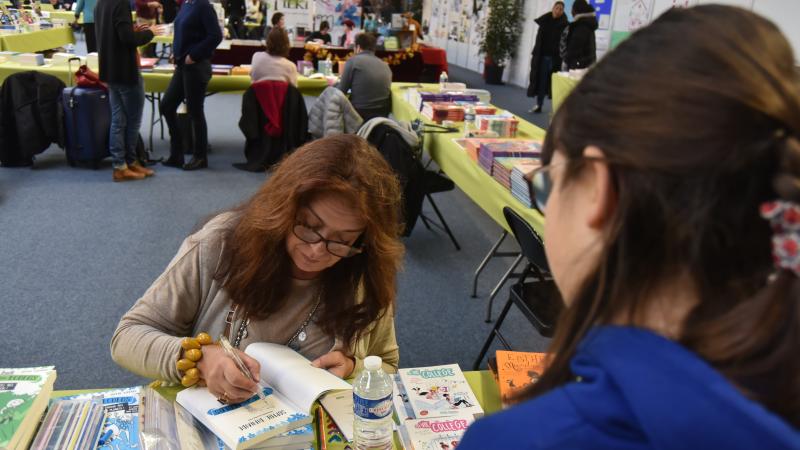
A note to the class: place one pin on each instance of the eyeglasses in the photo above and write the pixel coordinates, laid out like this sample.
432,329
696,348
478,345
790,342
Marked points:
335,248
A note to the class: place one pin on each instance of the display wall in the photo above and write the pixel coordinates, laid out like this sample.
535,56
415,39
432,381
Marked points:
455,26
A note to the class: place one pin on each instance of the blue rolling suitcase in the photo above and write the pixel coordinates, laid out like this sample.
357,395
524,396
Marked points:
87,121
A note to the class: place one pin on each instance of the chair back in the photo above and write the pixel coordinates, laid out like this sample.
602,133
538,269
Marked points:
530,244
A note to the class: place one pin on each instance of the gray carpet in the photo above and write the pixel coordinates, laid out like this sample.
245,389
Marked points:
77,250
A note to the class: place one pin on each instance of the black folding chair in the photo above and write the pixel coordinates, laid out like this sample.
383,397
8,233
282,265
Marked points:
538,299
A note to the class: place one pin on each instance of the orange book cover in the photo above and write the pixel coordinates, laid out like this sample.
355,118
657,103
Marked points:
515,370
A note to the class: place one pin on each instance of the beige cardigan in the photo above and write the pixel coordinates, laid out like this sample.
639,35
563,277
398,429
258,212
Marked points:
186,299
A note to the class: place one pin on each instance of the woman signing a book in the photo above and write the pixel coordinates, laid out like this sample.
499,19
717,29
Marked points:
310,261
671,190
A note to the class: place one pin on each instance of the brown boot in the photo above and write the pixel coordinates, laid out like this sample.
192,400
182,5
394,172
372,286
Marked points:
126,174
138,168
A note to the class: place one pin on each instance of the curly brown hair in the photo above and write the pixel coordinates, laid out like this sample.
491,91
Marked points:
358,290
278,42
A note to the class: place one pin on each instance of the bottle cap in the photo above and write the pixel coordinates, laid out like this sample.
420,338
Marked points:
372,362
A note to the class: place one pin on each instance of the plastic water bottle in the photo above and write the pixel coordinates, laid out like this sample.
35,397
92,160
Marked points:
70,49
443,81
372,407
469,119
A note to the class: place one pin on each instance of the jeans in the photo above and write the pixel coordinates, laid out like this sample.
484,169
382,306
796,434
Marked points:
127,104
545,72
189,82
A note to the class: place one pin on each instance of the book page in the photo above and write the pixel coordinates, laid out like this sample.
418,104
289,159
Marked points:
339,406
291,374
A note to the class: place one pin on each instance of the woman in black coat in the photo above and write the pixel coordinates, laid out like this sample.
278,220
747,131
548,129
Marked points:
581,50
545,58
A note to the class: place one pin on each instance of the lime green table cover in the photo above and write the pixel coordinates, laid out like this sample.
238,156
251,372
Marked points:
158,82
482,384
37,41
562,85
166,39
70,16
479,186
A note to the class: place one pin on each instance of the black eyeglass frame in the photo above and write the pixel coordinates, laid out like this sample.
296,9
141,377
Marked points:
352,250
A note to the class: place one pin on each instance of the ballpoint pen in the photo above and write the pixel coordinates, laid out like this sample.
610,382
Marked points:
229,350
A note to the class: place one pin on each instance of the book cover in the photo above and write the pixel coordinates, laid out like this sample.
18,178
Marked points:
437,391
437,433
329,435
248,424
24,394
516,370
121,422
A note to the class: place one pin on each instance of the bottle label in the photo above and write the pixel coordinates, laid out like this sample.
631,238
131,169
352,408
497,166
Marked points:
372,409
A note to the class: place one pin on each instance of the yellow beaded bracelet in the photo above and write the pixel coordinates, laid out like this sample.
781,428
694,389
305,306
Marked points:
191,354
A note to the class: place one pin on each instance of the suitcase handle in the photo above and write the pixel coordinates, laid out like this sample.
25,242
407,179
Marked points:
71,74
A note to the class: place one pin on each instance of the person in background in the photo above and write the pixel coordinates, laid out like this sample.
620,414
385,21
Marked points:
276,20
545,59
368,79
348,38
410,20
117,40
254,9
580,49
310,261
197,34
87,8
147,12
274,63
323,34
674,252
65,5
236,11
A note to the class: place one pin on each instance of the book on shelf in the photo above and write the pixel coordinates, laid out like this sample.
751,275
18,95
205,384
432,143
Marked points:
24,394
291,387
517,370
435,433
438,391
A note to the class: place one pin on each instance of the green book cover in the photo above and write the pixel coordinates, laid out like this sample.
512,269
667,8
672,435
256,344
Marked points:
19,389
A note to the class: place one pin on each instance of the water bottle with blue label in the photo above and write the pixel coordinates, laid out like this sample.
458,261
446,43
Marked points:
372,407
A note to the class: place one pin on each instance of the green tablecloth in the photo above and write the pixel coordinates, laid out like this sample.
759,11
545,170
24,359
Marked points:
482,384
562,85
479,186
37,41
158,82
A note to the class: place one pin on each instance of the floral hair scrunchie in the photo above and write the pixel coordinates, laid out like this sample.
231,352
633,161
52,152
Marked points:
785,220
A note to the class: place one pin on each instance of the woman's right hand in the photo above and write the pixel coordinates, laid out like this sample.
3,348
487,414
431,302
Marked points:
223,377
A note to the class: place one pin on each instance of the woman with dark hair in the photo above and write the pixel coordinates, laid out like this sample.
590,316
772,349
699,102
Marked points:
274,64
671,188
323,33
580,49
309,261
545,58
197,35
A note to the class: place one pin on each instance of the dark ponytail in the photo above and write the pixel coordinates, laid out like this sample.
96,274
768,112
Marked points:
698,115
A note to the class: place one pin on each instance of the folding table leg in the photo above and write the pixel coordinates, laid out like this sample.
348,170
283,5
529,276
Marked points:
500,285
485,261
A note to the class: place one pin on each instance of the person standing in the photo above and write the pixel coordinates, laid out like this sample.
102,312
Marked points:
236,11
87,8
197,34
581,50
117,40
545,59
369,80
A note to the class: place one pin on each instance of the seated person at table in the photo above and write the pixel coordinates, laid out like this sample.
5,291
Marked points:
274,63
323,33
673,246
368,79
309,261
348,38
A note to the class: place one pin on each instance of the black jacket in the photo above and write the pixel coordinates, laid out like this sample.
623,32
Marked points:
581,46
547,40
30,116
117,42
262,150
409,170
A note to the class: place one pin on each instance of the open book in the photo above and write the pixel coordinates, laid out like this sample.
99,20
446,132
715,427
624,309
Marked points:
292,386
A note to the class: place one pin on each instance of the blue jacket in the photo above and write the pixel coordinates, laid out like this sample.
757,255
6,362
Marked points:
87,8
197,31
637,390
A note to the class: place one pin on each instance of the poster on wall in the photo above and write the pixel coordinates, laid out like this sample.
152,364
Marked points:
603,10
661,6
295,12
629,16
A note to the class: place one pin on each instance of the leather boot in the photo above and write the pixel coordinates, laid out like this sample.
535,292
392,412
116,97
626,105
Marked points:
126,174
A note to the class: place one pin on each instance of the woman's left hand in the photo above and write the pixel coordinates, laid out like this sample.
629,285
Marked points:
336,363
189,59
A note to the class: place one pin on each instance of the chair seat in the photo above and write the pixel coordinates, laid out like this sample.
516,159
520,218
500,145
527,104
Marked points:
435,182
540,302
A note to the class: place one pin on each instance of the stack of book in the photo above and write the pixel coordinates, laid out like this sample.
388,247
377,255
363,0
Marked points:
513,149
71,424
514,371
441,111
521,187
504,125
244,69
502,167
434,405
24,394
480,107
221,69
147,64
